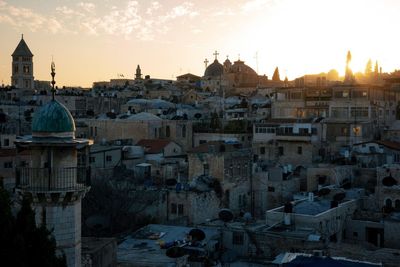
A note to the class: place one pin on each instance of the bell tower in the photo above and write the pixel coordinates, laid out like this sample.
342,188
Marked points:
57,175
138,75
22,66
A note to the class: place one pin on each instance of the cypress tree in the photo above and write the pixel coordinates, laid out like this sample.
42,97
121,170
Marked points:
275,76
22,243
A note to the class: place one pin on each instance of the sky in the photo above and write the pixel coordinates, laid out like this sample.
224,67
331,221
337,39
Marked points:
97,40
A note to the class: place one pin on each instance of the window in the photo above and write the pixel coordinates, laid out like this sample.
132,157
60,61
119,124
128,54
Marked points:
26,69
206,169
339,112
280,151
299,150
167,131
92,159
180,209
359,112
183,130
271,189
108,158
6,142
355,234
237,238
95,131
173,208
8,165
15,69
262,150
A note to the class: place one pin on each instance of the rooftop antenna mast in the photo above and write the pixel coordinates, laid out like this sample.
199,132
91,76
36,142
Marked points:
256,57
53,74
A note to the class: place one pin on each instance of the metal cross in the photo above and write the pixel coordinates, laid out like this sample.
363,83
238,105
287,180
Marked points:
206,62
216,54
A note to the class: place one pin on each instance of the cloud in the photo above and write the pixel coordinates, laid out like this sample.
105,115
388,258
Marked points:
25,18
88,7
128,19
254,5
185,9
154,6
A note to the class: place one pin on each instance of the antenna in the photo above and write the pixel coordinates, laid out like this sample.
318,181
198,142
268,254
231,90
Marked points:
256,57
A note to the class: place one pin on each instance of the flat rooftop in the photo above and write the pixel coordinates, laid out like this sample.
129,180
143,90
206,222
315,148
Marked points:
142,247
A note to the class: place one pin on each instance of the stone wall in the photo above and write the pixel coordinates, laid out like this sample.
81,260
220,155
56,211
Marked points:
65,220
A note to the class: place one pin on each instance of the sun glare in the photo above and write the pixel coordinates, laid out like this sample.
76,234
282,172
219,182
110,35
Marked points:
314,36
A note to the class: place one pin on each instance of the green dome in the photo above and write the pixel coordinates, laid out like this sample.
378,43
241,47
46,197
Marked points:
53,118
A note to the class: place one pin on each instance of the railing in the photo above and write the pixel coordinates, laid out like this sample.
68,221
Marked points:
53,179
282,133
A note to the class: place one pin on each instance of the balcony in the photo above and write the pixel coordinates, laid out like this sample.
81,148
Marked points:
53,179
290,136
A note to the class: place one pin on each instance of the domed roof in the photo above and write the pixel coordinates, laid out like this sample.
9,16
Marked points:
53,117
239,67
215,69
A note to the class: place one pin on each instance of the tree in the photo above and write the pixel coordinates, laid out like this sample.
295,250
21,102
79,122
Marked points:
276,77
368,69
22,242
376,70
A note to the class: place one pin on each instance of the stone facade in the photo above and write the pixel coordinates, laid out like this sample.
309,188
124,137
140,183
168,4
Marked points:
65,222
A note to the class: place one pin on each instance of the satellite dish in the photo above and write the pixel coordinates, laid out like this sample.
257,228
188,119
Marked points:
247,216
197,234
339,196
389,181
225,215
175,252
324,191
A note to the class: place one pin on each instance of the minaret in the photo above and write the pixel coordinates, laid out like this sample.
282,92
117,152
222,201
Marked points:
22,66
57,175
348,77
138,75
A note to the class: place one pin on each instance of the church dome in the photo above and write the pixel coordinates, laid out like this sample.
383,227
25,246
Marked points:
53,120
215,69
245,76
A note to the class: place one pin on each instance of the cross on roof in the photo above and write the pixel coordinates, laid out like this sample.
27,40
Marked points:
216,54
206,62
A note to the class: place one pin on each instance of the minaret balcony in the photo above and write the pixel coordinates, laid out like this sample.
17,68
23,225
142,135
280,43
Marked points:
48,180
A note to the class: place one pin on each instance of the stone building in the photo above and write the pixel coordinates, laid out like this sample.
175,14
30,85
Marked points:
286,141
56,176
151,127
230,165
